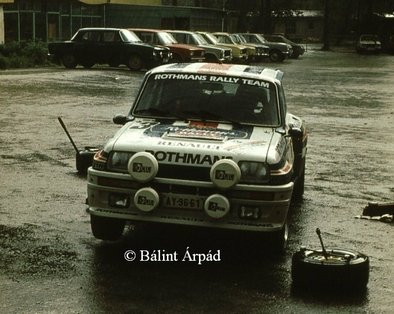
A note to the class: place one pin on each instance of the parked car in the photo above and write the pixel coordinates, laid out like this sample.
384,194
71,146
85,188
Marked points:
368,43
225,38
113,46
180,52
262,51
278,51
239,52
212,53
298,49
204,145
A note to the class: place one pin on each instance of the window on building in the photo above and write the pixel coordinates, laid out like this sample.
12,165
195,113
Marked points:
11,27
26,26
290,27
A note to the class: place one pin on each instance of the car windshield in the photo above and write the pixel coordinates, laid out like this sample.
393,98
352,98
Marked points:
128,36
369,37
227,99
261,38
211,38
200,39
236,39
166,38
225,39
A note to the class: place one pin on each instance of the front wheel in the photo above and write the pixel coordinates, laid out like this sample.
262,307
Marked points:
338,268
135,62
106,228
276,56
299,186
69,61
279,239
211,58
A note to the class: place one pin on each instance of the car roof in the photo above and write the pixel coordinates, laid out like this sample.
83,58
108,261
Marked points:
101,29
179,31
239,70
151,30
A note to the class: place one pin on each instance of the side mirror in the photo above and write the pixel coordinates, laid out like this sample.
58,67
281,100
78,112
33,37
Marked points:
119,119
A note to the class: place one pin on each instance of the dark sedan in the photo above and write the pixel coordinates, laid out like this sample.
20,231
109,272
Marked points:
113,46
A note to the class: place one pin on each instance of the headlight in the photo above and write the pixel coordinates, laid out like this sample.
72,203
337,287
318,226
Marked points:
253,172
118,161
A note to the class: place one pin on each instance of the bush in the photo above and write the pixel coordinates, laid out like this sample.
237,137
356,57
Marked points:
23,54
3,62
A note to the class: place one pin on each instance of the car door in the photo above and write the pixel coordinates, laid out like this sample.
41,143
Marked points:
112,47
86,47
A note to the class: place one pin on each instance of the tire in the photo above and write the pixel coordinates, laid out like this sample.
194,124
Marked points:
135,62
176,59
343,269
211,58
276,56
87,64
299,186
106,228
69,61
278,240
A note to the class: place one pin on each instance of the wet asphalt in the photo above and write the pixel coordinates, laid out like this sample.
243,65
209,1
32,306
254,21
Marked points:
51,263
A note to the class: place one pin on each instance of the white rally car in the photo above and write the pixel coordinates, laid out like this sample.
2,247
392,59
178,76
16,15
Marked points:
209,145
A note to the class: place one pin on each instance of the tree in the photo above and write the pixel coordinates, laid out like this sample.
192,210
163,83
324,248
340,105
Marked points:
326,26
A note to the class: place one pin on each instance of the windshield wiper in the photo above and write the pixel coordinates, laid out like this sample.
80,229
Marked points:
205,115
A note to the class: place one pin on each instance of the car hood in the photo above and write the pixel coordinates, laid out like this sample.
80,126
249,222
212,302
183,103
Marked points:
168,141
184,47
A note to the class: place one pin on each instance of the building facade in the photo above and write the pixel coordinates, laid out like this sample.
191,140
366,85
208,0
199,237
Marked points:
51,20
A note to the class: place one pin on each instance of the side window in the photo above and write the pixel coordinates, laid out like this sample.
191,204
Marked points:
221,39
179,37
189,39
147,37
85,37
91,37
111,37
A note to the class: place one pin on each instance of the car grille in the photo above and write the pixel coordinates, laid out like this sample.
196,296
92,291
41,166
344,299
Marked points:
184,172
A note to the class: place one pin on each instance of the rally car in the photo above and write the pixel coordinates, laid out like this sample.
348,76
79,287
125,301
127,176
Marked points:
206,145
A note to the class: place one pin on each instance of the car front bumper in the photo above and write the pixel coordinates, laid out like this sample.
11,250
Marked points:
266,207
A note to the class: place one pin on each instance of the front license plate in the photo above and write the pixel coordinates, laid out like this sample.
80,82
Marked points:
181,201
